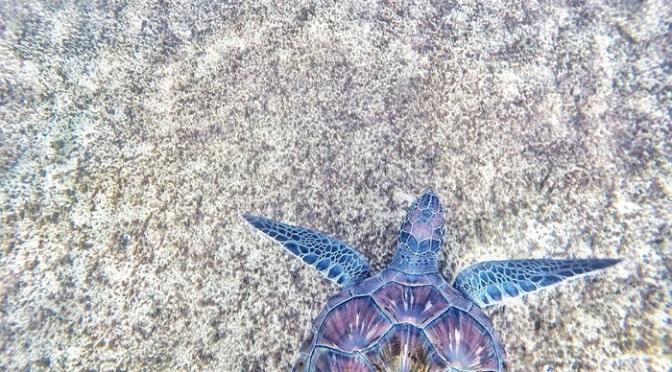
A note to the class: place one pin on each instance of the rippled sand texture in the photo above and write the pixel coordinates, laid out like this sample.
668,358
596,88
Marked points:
133,133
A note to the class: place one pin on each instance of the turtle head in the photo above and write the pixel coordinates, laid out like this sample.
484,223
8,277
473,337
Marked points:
420,236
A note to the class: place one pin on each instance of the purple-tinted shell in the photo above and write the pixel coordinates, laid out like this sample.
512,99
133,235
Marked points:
401,322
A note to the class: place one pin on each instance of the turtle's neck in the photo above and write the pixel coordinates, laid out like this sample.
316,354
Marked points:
408,262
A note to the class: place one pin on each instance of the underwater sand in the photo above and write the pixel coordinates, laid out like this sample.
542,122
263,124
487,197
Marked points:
132,134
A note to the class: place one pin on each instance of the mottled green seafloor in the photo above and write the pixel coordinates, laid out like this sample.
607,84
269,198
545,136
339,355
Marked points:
133,133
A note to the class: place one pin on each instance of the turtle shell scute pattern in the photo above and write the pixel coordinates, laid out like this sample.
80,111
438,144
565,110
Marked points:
400,322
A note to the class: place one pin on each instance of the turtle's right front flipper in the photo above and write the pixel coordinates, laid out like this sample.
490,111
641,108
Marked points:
337,261
488,283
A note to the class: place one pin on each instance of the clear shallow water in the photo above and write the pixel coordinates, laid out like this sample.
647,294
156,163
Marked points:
132,135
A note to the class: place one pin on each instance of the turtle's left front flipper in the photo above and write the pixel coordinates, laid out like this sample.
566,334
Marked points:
488,283
336,260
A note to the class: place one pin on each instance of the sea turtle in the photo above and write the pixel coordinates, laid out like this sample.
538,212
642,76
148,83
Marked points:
407,317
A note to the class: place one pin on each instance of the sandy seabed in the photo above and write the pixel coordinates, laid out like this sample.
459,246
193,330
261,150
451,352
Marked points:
132,134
